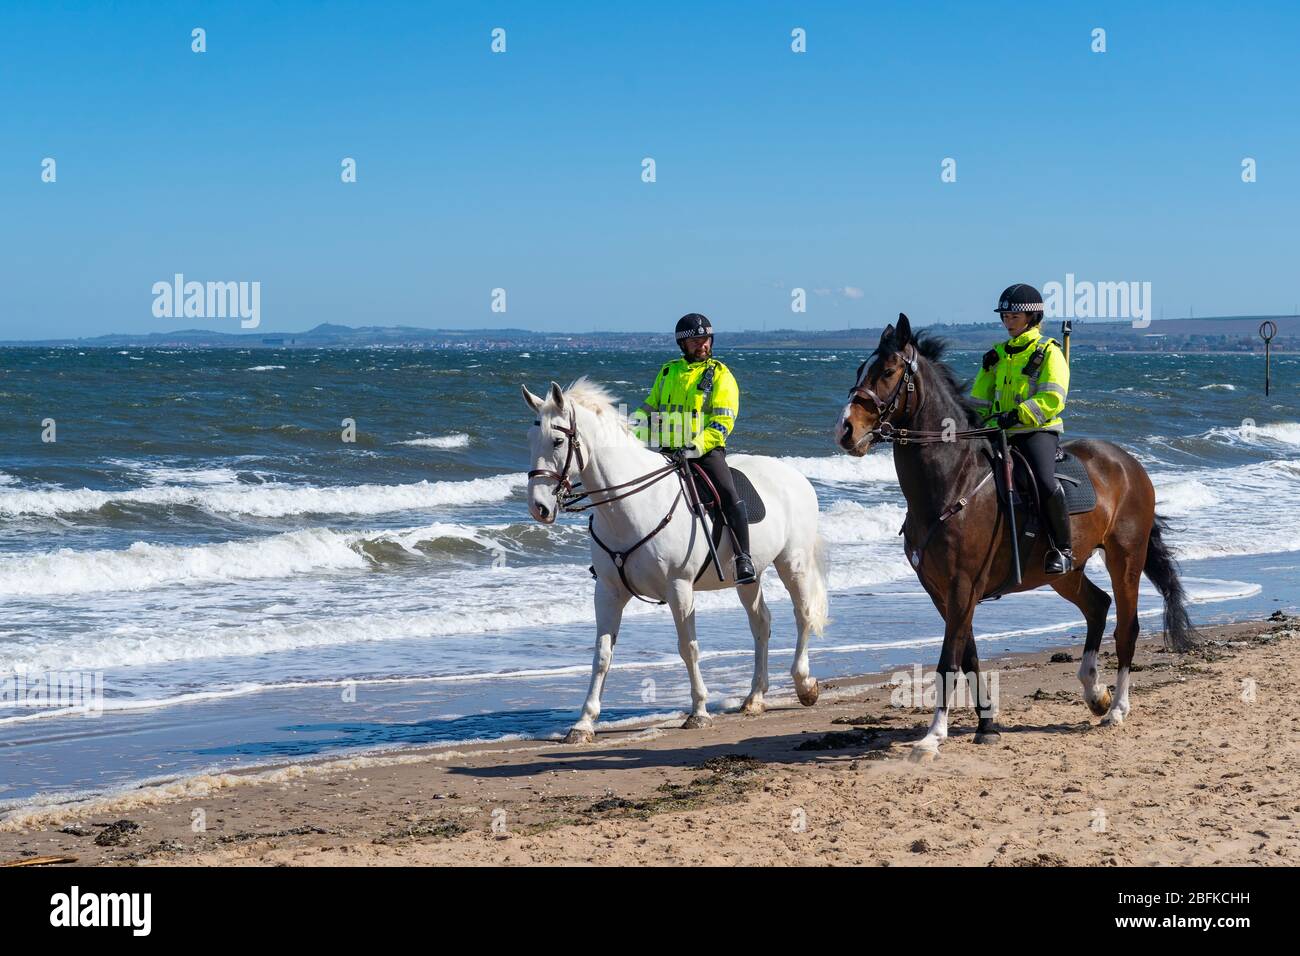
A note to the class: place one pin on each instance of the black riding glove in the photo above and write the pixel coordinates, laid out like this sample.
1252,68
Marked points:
1009,419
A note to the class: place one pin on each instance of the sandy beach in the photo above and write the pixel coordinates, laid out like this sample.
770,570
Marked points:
1203,772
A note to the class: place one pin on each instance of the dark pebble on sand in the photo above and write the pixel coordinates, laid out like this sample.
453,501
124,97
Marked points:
117,833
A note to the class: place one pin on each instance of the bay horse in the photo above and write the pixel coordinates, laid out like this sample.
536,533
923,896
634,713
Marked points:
955,533
639,550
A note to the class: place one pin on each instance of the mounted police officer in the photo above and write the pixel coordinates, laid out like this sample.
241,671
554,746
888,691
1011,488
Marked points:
692,408
1023,386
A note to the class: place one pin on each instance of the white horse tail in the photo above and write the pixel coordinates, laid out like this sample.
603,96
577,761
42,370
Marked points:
817,603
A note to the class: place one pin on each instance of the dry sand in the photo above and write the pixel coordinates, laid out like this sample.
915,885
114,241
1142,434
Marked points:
1203,772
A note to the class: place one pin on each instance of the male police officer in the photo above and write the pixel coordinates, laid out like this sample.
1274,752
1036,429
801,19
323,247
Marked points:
694,403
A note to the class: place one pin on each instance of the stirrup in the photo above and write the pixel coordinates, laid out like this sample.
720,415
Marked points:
1059,561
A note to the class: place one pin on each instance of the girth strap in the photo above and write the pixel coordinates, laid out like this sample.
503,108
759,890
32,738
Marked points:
620,557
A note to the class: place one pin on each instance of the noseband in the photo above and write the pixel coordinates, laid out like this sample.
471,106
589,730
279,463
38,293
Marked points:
884,428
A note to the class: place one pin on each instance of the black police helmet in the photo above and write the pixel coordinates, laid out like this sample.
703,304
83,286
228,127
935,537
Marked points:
1021,298
692,326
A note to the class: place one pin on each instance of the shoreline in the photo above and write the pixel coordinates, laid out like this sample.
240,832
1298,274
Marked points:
649,794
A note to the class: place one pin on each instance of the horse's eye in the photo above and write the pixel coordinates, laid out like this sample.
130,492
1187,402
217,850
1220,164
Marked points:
558,442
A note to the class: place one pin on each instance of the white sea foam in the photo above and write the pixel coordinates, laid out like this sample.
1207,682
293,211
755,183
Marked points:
845,468
848,522
1219,386
162,473
458,440
1184,496
265,368
1279,435
1247,509
523,598
145,566
269,500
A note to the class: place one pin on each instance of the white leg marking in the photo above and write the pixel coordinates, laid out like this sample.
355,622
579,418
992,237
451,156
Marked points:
937,733
1089,676
1119,707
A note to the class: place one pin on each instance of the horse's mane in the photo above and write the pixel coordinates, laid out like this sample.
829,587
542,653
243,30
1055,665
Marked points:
595,398
592,396
933,348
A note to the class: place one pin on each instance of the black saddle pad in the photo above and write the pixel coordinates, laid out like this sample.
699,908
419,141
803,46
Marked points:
744,487
1080,495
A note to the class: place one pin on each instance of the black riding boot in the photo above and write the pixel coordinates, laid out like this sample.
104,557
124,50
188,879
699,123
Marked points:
738,521
1060,559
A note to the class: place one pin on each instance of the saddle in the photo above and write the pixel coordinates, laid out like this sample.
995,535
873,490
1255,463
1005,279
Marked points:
754,506
744,488
1080,497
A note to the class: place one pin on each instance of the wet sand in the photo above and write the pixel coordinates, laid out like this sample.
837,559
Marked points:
1204,771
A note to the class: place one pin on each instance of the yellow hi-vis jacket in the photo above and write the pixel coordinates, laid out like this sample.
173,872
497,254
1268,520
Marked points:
1028,374
691,403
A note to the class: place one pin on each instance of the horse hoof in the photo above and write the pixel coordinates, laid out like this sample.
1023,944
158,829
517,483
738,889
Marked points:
576,736
808,695
695,722
751,707
1101,706
921,754
990,737
1112,719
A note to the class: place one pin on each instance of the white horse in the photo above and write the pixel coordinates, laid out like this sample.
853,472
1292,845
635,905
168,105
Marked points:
579,433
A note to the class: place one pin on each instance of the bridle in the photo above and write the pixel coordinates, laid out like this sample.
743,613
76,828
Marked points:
884,430
563,486
567,496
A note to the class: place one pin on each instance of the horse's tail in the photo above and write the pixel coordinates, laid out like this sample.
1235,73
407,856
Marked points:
1162,571
818,609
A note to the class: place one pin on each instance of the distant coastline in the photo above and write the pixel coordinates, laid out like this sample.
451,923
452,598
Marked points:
1214,334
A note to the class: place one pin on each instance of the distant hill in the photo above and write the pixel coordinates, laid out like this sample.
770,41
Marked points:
1217,333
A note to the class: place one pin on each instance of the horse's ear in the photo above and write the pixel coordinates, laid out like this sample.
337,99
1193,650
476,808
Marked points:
903,334
557,396
887,338
534,402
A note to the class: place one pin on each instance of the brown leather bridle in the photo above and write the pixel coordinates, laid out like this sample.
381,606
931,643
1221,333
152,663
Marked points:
568,497
563,485
884,429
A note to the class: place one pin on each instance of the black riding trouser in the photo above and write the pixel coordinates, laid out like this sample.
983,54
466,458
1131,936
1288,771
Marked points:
714,464
1039,449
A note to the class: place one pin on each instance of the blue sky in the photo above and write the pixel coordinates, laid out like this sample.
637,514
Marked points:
523,170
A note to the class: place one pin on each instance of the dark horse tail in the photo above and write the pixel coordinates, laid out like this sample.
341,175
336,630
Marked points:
1160,568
